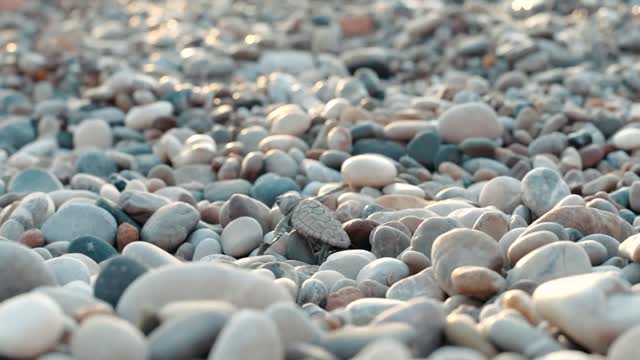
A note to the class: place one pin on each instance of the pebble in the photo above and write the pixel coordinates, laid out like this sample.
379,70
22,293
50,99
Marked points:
114,278
149,255
241,236
93,133
355,171
503,192
542,189
469,120
170,225
66,270
259,334
107,337
556,260
21,270
30,316
195,282
34,180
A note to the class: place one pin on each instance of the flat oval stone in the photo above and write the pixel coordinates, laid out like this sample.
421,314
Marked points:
34,180
199,281
503,192
356,171
143,116
386,271
241,236
30,316
467,121
388,242
552,261
149,255
92,133
169,227
627,139
75,220
259,338
424,147
451,250
422,284
67,269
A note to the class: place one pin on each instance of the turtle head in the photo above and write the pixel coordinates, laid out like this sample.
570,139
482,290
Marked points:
287,202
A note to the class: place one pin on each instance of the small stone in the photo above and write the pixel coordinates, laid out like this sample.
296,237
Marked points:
356,170
293,325
259,335
626,139
95,163
67,269
106,337
125,235
30,316
477,282
503,192
630,248
143,116
422,284
552,261
269,186
429,230
343,297
241,236
542,189
348,262
529,242
224,189
388,242
241,205
92,133
467,121
312,291
386,271
169,226
149,255
32,238
424,147
589,221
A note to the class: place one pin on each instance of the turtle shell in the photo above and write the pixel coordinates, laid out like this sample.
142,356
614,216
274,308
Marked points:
315,221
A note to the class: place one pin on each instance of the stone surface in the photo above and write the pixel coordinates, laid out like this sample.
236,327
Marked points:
356,171
542,189
248,335
552,261
34,180
241,236
107,337
589,221
170,225
468,121
21,270
114,278
77,220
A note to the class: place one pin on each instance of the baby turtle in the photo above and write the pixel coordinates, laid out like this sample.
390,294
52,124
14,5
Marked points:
313,221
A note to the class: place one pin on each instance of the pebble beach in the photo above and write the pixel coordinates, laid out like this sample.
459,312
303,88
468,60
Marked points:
320,180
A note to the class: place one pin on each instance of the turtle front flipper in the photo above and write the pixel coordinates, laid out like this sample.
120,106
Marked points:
283,227
323,254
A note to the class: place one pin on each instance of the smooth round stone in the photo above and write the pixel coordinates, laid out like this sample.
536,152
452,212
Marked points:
317,171
552,261
66,270
293,325
529,242
248,335
312,291
477,282
95,163
106,337
404,189
542,189
241,236
93,133
478,147
386,271
357,171
492,223
241,205
34,180
269,186
627,139
468,121
405,130
169,227
206,247
447,153
282,142
289,120
503,192
149,255
349,263
280,163
224,189
339,138
388,242
451,250
427,232
39,205
91,246
114,278
143,116
76,220
426,316
33,317
422,284
198,281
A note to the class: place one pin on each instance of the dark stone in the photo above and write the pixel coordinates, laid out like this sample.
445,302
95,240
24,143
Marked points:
269,186
118,214
424,148
450,153
14,134
97,249
117,274
388,148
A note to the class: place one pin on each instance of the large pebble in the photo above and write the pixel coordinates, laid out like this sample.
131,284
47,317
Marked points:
463,247
169,227
143,116
589,221
357,171
77,220
197,282
468,121
114,278
32,324
21,270
503,192
34,180
92,133
241,236
542,189
552,261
